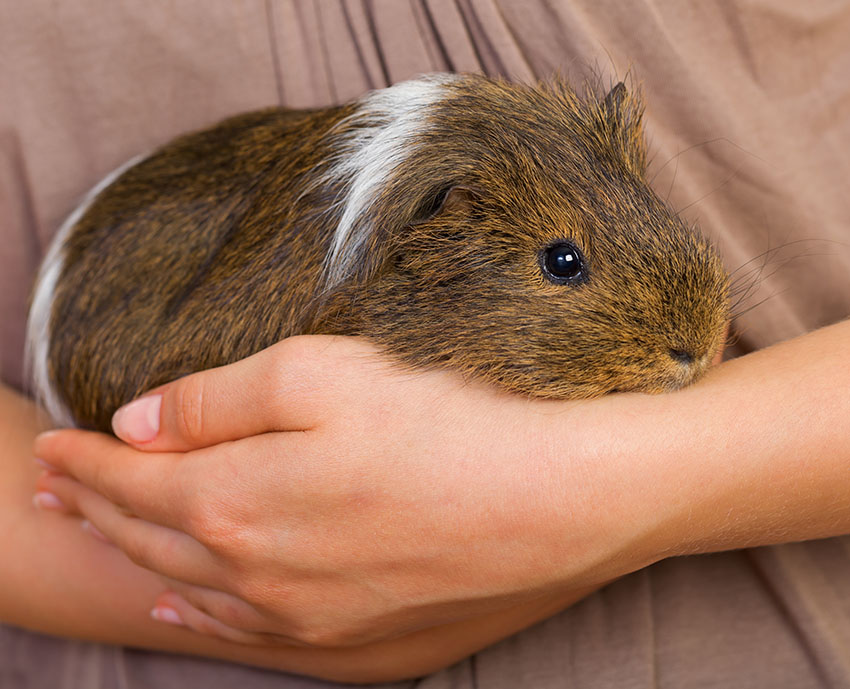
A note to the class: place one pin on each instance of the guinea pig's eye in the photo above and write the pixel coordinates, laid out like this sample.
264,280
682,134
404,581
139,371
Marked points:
562,263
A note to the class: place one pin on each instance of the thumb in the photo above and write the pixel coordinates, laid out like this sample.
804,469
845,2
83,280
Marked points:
277,389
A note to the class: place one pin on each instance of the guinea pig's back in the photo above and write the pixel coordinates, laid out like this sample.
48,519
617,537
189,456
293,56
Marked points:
196,256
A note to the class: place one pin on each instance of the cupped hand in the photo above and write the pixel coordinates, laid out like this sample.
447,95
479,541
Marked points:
317,494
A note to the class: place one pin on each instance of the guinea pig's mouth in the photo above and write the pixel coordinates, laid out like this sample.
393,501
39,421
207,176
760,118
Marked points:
686,369
678,372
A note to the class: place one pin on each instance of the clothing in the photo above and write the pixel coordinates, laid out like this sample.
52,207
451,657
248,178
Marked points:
748,117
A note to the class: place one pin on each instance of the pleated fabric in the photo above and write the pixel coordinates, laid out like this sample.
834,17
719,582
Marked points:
748,116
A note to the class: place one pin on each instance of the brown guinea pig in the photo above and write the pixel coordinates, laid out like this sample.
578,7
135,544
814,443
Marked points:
503,230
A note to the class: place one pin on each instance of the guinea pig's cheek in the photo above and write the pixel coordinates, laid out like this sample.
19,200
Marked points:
718,358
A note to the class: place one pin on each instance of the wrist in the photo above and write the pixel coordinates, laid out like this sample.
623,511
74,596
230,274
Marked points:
604,515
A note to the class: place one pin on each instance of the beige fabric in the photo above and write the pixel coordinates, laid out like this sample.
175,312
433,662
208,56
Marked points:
749,119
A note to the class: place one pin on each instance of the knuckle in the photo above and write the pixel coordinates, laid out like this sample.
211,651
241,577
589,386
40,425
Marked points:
285,363
217,528
98,479
205,521
296,359
292,350
208,627
224,538
214,521
306,370
221,609
231,612
194,598
190,418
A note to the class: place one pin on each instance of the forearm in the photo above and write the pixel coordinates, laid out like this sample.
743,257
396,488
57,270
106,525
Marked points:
781,470
55,577
755,454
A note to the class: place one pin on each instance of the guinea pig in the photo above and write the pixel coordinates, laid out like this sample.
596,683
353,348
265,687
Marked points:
505,231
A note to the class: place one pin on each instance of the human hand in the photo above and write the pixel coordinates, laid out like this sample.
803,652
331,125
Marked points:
315,494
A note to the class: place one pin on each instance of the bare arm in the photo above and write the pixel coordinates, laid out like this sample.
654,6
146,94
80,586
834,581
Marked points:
54,576
757,453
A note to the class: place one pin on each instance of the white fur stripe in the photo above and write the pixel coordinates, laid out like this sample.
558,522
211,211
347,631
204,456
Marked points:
39,322
384,128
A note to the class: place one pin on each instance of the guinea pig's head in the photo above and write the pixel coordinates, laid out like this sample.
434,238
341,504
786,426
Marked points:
508,231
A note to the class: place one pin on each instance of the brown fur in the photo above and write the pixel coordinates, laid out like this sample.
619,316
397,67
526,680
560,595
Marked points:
214,248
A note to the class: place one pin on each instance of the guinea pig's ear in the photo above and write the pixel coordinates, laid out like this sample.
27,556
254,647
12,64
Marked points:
615,100
381,247
450,198
624,114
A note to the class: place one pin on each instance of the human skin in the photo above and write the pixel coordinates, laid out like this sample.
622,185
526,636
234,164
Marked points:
480,502
59,580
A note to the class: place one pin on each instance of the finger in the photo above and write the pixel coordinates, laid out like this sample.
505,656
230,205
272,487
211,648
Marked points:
44,499
65,494
174,609
278,389
71,494
232,612
210,494
167,552
150,485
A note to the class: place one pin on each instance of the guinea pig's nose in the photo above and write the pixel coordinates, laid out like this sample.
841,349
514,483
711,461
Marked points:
682,356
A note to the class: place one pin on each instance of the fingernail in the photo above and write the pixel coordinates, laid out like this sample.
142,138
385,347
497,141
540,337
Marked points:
163,614
138,422
45,465
47,501
94,531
